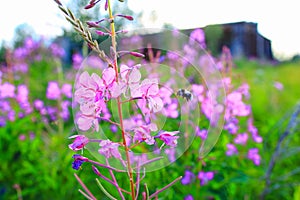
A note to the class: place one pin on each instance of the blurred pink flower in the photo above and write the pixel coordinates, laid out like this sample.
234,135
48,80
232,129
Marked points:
278,85
204,177
7,90
254,156
66,89
231,150
109,149
53,91
241,139
143,133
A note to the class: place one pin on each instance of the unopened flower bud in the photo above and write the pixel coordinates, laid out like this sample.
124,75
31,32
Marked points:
106,5
96,170
122,32
137,54
89,6
101,33
58,2
92,24
128,17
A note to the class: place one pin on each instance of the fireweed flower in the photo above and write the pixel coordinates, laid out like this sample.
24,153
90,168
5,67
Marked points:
254,156
7,90
231,150
143,134
66,89
188,177
189,197
149,92
201,133
130,77
79,142
78,161
109,149
204,177
235,105
241,139
91,95
168,137
53,91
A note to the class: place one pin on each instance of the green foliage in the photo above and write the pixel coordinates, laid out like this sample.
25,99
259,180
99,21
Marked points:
213,34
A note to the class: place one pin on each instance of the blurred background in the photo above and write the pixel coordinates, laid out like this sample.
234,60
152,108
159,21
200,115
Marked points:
40,54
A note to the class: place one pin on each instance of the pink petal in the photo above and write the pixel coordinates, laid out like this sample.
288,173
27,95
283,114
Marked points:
108,76
84,123
84,79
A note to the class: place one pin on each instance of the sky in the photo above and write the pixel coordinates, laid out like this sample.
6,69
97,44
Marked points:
278,21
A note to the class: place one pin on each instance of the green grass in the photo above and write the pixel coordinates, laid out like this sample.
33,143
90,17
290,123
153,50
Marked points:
268,103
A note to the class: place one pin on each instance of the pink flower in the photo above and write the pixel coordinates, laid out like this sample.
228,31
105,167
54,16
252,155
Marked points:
79,142
201,133
169,137
278,85
149,92
109,149
85,122
241,139
92,94
143,133
198,90
67,90
7,90
198,35
205,177
53,91
22,95
231,150
254,156
130,77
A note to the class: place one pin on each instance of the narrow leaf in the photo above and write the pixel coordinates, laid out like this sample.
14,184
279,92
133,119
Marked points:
105,191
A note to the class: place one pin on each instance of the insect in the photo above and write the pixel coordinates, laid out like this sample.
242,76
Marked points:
185,94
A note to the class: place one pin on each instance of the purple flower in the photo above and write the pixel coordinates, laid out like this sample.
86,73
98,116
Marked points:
79,142
189,197
201,133
231,150
7,90
204,177
53,91
241,139
254,156
78,161
109,149
143,133
168,137
187,178
57,50
22,95
198,35
38,104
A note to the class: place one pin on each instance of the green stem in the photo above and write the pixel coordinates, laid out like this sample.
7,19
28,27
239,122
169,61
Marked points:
119,102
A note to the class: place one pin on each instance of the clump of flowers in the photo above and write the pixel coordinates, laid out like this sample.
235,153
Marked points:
116,86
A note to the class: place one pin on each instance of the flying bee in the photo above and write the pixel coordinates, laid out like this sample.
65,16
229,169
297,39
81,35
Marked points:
185,94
